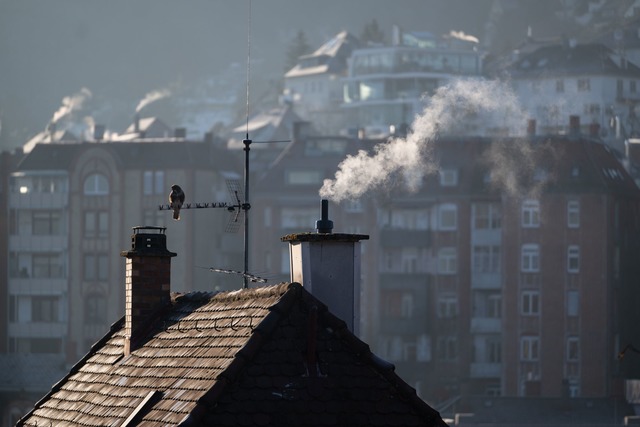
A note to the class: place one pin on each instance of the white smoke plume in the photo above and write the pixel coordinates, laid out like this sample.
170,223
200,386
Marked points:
151,97
71,103
409,159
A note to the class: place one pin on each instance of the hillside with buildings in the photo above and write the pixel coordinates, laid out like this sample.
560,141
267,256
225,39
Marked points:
495,191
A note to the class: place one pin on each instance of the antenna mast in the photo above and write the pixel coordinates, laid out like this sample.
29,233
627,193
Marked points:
247,142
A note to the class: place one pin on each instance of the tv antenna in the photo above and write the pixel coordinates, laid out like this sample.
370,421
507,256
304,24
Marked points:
240,199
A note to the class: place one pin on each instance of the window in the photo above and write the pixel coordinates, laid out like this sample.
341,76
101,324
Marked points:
573,349
447,261
409,259
448,217
560,86
487,305
153,182
35,345
573,303
306,177
299,218
486,259
423,348
531,213
267,216
46,223
493,350
47,266
530,258
573,214
405,219
398,304
584,85
353,206
95,309
96,267
44,309
530,303
447,348
529,348
494,306
96,185
573,259
96,224
632,86
448,177
447,306
154,217
486,216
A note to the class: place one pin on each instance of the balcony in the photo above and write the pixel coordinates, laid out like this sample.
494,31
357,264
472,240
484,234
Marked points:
38,200
37,329
415,325
485,325
485,370
33,286
30,243
390,237
486,281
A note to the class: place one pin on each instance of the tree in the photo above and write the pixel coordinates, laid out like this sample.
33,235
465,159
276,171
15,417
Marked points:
371,33
297,48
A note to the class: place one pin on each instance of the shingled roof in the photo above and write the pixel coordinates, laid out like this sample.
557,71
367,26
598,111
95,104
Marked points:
265,356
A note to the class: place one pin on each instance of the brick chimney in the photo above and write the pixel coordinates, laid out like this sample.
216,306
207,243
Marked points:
148,279
328,266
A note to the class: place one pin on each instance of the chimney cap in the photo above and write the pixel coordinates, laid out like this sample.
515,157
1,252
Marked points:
324,237
148,241
324,225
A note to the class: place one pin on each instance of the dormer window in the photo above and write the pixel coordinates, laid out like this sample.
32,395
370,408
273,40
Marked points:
448,177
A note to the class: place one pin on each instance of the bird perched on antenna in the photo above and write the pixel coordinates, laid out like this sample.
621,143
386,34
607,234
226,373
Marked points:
176,199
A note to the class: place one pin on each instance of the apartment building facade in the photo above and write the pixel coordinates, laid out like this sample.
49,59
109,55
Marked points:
470,288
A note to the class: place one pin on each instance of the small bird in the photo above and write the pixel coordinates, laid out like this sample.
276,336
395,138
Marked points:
176,199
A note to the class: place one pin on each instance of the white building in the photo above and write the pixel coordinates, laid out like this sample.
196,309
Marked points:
585,80
386,85
314,85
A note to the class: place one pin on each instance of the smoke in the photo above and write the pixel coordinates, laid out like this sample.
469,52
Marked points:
408,160
71,103
152,97
521,169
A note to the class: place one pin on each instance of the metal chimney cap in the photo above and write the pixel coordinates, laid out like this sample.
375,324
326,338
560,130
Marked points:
324,225
323,237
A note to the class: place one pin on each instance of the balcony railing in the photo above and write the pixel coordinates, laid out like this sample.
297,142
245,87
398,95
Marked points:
485,370
38,200
485,325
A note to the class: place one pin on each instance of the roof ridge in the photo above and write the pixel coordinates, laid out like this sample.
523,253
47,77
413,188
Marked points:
260,335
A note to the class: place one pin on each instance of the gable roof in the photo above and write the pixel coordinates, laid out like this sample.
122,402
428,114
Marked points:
155,154
266,356
561,60
330,58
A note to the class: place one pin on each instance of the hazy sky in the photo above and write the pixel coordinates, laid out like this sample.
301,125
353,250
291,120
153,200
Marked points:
122,49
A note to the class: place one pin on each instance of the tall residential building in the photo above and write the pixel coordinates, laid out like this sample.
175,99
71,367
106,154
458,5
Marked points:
69,206
511,278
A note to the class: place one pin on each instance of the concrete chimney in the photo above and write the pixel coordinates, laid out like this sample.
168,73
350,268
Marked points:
328,266
136,123
98,132
148,279
531,128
